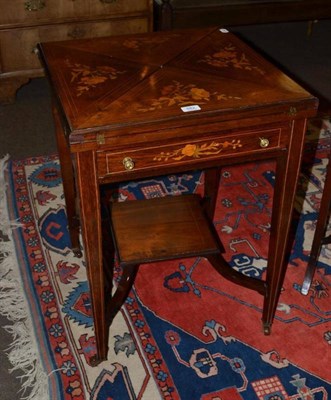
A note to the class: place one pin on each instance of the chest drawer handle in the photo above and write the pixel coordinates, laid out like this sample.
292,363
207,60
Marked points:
128,163
108,1
264,142
34,5
77,33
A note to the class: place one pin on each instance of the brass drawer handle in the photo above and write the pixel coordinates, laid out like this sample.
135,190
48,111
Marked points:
34,5
264,142
77,33
128,163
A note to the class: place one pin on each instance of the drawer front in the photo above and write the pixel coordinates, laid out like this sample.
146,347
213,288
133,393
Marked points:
118,7
18,47
41,11
187,153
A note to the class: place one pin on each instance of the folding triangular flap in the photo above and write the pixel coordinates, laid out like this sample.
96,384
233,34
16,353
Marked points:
156,49
223,54
90,82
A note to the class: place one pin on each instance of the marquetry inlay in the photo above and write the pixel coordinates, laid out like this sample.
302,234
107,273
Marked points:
230,57
139,42
178,94
86,77
197,151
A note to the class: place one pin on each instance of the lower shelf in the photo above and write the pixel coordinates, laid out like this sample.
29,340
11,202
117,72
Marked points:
161,229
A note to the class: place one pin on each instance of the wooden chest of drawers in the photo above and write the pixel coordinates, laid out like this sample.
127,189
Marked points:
23,24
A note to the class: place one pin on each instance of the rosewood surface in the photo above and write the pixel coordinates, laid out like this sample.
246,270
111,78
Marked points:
136,106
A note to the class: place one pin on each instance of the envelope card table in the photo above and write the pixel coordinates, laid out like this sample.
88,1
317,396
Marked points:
137,106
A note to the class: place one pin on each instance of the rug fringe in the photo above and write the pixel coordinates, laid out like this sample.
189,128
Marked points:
23,352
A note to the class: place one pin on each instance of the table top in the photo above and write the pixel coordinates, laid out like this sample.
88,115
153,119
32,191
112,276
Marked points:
165,77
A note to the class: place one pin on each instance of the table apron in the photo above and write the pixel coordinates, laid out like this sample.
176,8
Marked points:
114,164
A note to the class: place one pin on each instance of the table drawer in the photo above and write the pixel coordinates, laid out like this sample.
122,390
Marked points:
111,163
24,41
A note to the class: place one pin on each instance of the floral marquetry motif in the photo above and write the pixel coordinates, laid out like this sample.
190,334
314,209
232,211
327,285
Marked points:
86,77
197,151
229,56
185,95
140,42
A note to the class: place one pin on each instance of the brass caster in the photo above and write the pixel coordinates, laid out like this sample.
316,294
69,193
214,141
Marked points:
77,253
305,288
266,329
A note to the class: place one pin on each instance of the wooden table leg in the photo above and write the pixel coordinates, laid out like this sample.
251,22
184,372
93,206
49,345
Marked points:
212,181
90,211
123,289
68,181
321,226
287,172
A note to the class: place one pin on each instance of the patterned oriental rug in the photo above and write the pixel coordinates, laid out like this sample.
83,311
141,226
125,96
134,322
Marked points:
184,331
